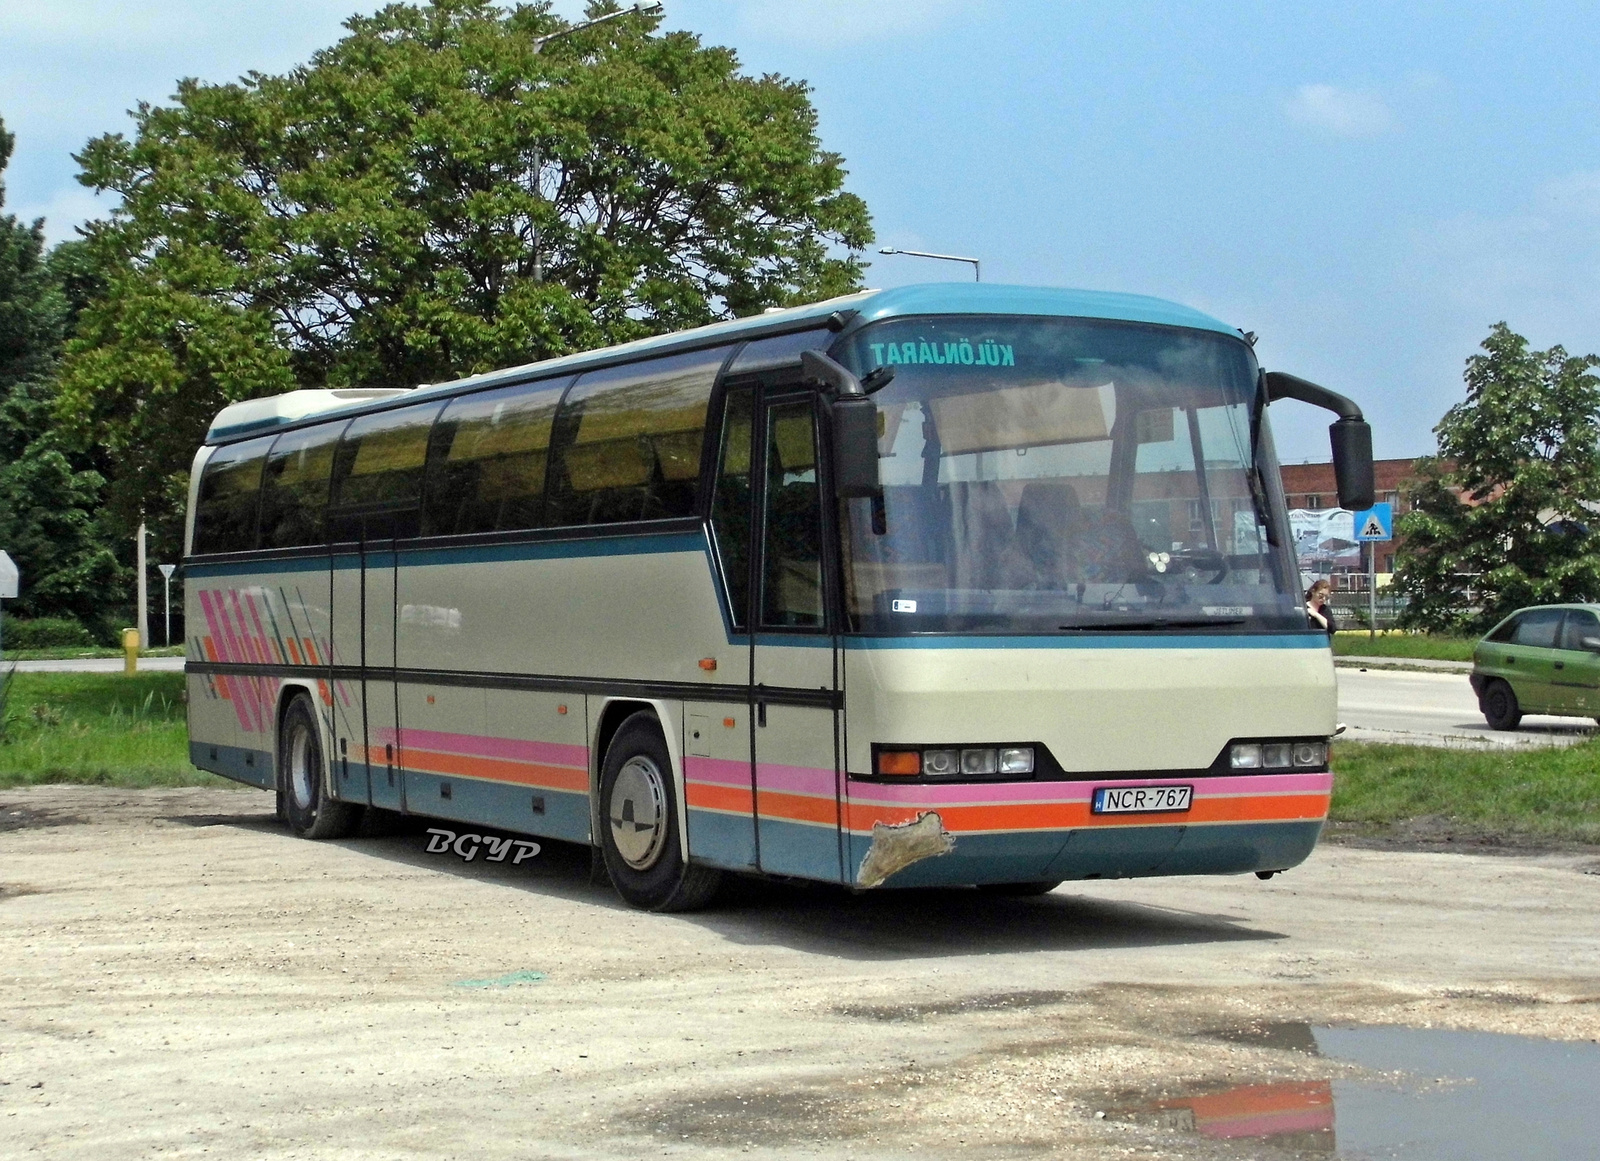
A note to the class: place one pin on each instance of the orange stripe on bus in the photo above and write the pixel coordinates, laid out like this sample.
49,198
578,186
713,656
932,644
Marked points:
710,796
496,769
799,807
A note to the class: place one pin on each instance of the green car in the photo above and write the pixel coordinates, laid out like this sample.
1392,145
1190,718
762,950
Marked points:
1544,660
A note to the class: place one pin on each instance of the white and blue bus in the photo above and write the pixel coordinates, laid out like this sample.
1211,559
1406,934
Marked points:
942,585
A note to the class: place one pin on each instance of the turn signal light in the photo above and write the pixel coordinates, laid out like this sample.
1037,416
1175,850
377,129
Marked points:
899,762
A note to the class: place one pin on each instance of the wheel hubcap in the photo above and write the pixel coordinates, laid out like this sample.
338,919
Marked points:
300,766
638,813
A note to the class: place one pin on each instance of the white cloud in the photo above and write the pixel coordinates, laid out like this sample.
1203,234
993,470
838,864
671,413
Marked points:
1341,112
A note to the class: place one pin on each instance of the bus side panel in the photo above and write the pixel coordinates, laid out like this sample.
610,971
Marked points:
717,786
230,714
627,609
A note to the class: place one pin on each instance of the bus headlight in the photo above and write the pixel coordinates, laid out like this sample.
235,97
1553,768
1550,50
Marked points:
1016,760
1246,756
1311,753
953,762
978,761
1277,755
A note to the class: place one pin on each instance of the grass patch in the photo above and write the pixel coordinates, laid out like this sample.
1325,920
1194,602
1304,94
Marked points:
1424,645
1550,794
98,728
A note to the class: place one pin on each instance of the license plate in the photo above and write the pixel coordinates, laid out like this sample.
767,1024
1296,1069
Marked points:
1141,799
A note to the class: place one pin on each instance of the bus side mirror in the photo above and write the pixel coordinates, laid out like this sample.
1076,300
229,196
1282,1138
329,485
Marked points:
855,447
855,425
1350,436
1352,463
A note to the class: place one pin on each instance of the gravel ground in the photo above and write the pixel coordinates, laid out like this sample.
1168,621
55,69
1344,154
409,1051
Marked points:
179,976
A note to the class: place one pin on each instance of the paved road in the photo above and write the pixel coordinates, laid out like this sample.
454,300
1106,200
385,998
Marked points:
1436,709
178,974
100,665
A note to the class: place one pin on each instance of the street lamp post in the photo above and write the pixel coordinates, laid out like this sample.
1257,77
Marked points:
977,267
166,581
539,42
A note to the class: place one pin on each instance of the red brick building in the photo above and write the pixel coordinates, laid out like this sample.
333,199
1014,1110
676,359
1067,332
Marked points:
1312,486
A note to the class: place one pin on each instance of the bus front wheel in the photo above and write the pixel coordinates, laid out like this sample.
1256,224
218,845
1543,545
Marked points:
639,825
302,784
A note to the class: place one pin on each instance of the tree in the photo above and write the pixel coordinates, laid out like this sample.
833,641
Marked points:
1523,452
434,195
50,496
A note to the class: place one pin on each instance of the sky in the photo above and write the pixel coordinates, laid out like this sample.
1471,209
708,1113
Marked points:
1368,189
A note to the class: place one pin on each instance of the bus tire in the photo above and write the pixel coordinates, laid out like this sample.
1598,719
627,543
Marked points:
1020,890
1500,708
639,827
302,778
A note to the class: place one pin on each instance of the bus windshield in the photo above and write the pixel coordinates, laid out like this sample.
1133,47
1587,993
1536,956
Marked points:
1060,475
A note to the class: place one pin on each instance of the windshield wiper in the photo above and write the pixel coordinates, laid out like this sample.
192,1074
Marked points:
1154,623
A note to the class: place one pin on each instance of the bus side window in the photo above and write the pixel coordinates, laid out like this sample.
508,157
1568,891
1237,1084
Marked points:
730,505
229,500
626,444
486,461
377,475
294,488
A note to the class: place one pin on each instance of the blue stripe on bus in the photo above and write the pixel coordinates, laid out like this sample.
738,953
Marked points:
723,840
252,767
643,545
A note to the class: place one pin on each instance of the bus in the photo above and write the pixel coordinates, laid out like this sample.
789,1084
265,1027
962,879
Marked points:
945,585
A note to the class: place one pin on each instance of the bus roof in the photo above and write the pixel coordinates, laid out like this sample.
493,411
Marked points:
257,416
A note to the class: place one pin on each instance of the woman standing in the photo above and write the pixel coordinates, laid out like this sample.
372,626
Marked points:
1318,611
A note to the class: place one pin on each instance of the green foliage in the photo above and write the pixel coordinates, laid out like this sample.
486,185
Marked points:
43,633
1547,793
99,728
50,495
435,195
1524,449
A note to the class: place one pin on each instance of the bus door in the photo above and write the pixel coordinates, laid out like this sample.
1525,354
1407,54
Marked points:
379,564
794,723
366,742
346,684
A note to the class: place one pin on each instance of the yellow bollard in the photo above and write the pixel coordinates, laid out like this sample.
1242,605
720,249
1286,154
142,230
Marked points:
130,652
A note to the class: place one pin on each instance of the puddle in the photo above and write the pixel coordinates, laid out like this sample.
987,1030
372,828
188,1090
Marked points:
1443,1095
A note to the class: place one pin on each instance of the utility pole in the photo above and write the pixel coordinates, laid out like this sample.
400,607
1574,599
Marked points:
144,596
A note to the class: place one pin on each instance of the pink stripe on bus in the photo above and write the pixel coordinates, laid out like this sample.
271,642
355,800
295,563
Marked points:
795,779
721,771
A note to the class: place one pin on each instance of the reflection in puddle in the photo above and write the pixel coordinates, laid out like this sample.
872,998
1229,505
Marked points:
1447,1094
1295,1115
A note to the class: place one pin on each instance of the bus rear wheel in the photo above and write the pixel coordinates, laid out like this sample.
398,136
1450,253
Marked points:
639,825
302,783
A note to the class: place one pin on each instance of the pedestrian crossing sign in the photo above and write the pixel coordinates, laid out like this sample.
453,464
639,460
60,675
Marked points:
1376,523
